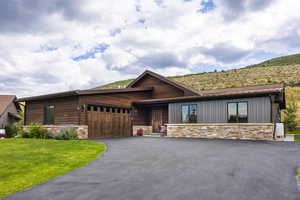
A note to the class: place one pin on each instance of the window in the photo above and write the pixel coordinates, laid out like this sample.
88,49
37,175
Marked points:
237,112
189,113
49,114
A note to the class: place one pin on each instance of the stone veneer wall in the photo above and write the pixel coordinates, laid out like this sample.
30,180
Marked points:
147,129
251,131
82,130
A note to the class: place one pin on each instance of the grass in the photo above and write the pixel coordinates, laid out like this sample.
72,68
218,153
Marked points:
294,132
28,162
280,61
298,172
297,138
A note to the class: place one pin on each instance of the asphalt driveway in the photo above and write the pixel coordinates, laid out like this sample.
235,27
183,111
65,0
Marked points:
169,169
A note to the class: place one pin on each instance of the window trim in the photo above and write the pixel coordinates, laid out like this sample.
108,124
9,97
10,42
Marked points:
189,109
44,120
237,111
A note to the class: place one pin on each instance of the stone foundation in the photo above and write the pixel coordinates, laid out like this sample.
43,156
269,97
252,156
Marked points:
147,129
249,131
82,130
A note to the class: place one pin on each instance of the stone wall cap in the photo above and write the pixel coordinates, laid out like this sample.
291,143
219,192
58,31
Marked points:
58,126
223,124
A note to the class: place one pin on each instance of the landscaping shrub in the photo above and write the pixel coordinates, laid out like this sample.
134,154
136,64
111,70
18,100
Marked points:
12,130
290,114
35,130
72,133
67,134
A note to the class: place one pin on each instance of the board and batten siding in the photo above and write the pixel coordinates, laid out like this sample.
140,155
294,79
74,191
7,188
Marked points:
215,111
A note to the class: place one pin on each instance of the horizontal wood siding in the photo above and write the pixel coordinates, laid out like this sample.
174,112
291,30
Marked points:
121,99
215,111
65,111
142,116
161,89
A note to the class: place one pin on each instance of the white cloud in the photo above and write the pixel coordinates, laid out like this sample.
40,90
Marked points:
38,40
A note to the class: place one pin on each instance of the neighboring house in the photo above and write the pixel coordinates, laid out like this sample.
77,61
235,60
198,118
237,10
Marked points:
152,102
8,110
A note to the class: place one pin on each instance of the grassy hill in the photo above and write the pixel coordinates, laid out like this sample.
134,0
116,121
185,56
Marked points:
284,69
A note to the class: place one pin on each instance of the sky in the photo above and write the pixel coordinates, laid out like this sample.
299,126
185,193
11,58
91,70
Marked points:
58,45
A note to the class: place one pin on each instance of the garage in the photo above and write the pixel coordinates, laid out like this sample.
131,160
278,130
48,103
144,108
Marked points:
108,120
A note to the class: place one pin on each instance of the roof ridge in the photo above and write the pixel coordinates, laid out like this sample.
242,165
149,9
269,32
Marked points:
165,79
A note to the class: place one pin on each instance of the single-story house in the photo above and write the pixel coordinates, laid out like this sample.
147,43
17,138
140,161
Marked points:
9,109
152,102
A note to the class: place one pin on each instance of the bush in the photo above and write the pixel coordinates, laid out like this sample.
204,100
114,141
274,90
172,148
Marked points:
67,134
49,136
290,114
35,130
12,130
72,133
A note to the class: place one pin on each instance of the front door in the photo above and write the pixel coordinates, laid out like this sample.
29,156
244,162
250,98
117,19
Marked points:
156,120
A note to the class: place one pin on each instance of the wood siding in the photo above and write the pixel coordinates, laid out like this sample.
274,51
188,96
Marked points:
122,99
142,116
215,111
161,89
65,111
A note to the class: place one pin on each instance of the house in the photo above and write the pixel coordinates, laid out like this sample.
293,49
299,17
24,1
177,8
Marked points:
152,101
8,110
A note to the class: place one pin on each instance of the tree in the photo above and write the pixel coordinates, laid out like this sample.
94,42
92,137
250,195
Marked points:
290,114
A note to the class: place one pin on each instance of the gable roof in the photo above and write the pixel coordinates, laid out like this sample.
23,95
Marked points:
238,92
166,80
83,92
5,100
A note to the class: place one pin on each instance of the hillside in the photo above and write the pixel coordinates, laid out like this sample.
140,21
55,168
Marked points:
278,70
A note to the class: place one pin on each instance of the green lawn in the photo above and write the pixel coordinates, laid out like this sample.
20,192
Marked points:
297,135
28,162
297,138
294,132
298,172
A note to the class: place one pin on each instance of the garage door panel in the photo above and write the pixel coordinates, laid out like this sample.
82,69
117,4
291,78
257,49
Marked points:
109,122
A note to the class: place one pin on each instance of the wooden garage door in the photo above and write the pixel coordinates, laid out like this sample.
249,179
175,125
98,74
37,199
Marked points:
107,122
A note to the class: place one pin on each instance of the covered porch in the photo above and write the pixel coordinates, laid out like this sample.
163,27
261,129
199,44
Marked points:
152,118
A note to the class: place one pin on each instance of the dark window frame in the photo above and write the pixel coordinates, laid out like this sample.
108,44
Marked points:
189,112
237,111
45,120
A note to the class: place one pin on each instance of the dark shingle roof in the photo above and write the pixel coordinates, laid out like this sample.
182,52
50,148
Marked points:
82,92
238,92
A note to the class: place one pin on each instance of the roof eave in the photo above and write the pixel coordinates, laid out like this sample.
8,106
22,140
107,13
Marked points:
204,98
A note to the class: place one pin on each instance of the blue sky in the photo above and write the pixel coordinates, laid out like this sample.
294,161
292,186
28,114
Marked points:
58,45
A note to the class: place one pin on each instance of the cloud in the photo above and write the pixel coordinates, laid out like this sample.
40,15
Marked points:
234,9
224,53
57,45
32,15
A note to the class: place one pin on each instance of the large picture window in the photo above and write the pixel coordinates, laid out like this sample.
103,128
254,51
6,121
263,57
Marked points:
189,113
237,112
49,114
